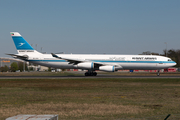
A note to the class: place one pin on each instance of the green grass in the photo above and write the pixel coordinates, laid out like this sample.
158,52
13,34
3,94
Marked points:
91,98
40,74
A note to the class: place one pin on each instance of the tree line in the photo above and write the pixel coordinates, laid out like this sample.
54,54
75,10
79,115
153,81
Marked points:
14,67
172,53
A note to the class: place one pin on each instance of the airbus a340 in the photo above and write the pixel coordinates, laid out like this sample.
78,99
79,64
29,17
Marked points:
89,62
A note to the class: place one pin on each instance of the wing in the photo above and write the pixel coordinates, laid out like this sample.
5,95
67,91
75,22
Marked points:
75,61
70,60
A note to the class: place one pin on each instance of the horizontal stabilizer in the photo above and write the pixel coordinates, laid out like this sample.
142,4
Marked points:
23,57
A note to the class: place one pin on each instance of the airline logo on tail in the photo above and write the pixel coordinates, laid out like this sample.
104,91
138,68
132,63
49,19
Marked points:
21,44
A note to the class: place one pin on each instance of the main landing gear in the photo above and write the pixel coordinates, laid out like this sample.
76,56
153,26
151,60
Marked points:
91,73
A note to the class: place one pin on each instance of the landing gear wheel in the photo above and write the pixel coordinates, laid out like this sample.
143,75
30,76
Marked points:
86,74
158,74
94,73
90,74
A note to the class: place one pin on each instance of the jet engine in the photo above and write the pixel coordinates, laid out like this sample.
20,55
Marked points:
86,65
107,68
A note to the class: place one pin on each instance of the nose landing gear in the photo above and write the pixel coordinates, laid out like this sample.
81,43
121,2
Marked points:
158,74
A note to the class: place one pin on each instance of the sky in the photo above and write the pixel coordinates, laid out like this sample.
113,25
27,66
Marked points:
91,26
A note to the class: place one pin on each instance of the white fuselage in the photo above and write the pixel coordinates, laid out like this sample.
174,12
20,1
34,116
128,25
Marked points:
141,62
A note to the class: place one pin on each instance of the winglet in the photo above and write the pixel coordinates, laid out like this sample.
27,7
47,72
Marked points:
54,55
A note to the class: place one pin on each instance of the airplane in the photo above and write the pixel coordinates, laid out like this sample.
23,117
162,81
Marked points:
89,62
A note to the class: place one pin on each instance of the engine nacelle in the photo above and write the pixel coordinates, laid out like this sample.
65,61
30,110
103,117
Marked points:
86,65
118,68
107,68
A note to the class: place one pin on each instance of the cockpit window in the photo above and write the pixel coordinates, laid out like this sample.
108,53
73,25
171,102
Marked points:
169,60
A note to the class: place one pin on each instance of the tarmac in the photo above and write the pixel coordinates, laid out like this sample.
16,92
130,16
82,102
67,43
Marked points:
82,77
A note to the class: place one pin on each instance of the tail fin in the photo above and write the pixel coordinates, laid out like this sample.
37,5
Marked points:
22,46
20,42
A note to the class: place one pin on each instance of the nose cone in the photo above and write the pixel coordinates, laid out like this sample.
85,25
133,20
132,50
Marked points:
174,63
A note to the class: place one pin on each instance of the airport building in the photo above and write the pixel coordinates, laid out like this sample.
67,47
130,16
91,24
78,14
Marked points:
8,61
4,61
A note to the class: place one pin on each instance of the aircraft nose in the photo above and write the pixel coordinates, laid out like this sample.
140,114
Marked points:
174,63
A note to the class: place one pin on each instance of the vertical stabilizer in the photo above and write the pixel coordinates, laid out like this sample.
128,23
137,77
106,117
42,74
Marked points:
22,46
20,42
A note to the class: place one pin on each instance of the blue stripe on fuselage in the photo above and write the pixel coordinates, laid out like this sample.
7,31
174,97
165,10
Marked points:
137,61
106,61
